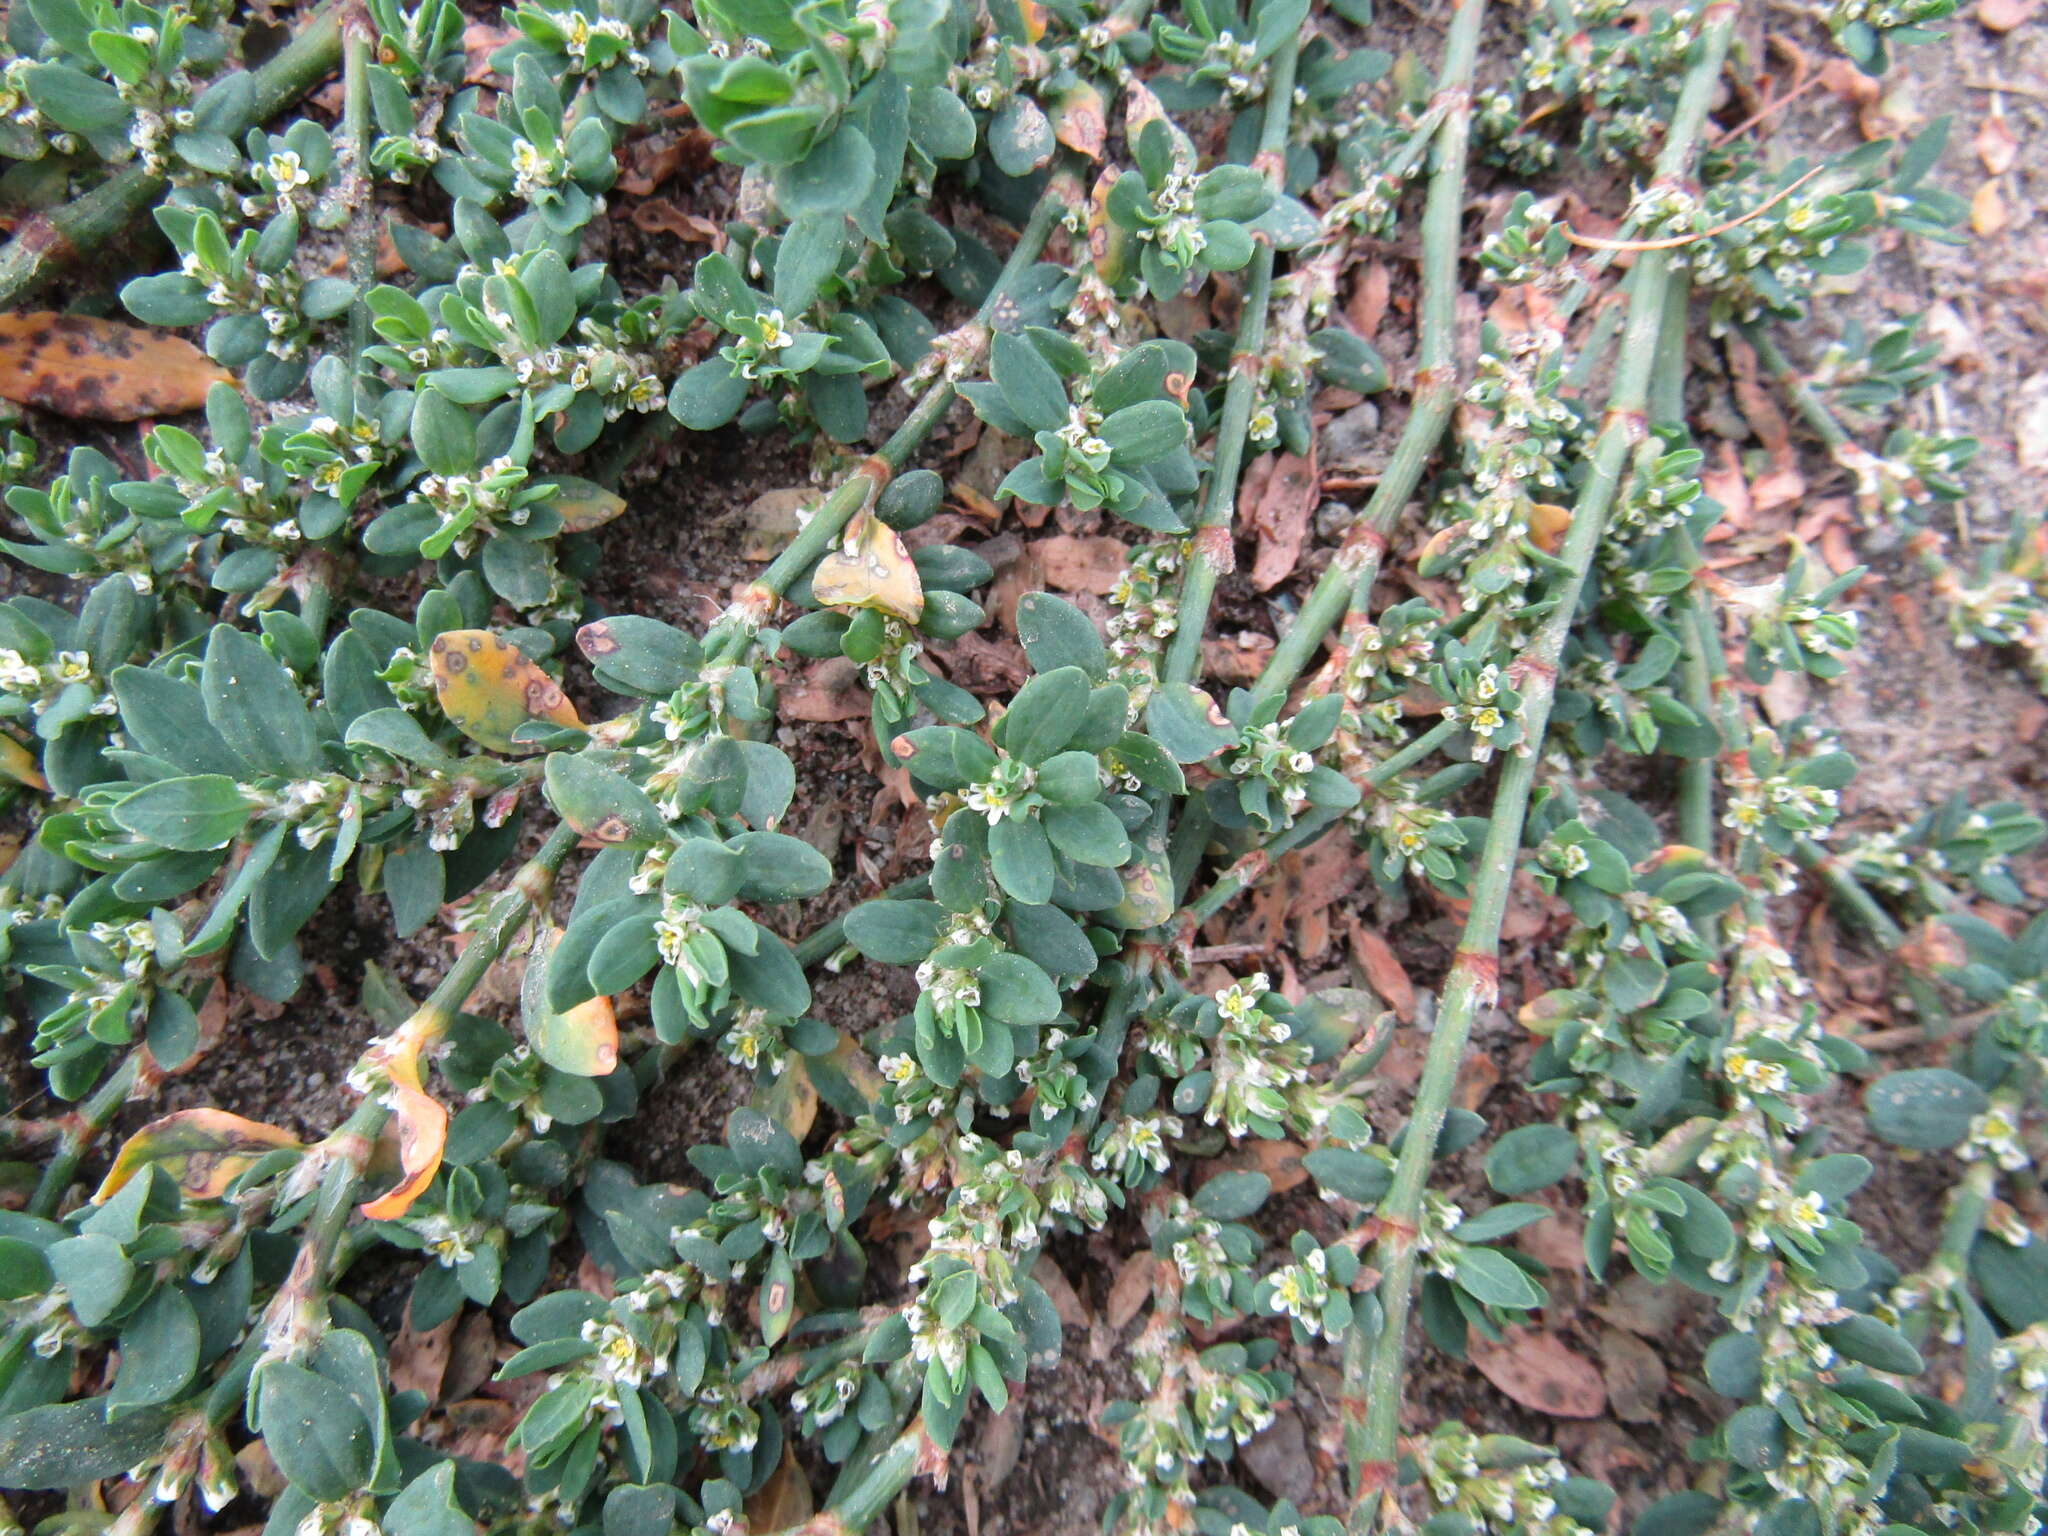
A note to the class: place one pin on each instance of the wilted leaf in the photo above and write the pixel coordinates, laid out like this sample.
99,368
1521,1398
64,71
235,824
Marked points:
489,689
422,1125
870,569
582,1041
1538,1371
102,370
203,1149
1282,519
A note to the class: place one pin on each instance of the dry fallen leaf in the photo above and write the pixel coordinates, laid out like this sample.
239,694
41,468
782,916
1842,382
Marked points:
1634,1373
2004,15
1539,1371
1074,564
1987,209
1996,144
785,1499
1281,517
1383,969
101,370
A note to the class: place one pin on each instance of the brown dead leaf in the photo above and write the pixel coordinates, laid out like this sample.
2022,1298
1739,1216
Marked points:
1279,1161
1539,1371
1781,484
659,216
1369,296
2030,421
1987,209
420,1360
1383,969
1634,1374
1844,81
1066,1301
785,1499
1282,518
479,41
1996,144
1476,1079
1727,484
2004,15
1236,658
101,370
829,690
1133,1285
1073,564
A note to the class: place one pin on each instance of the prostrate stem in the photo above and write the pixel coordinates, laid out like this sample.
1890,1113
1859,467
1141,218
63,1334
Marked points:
1212,554
50,241
1356,565
1374,1361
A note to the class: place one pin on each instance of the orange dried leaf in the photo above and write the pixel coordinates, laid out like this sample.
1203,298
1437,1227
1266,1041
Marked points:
1987,209
203,1149
1547,525
2004,15
422,1124
489,689
101,370
870,569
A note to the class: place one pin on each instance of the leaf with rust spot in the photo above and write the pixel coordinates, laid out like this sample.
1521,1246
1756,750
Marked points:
488,688
205,1150
870,569
101,370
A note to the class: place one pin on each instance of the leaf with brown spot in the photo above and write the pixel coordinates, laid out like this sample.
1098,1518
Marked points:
203,1149
870,569
488,688
582,1041
101,370
1539,1371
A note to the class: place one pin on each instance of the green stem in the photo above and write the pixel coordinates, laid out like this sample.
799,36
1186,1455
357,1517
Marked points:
97,221
81,1129
1804,397
358,191
1374,1363
839,509
1210,552
1351,573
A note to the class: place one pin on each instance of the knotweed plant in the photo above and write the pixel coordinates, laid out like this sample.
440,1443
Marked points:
217,723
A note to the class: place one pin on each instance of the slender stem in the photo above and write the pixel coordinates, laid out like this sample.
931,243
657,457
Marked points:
1355,567
96,221
1805,399
359,191
1374,1366
1211,553
81,1129
830,520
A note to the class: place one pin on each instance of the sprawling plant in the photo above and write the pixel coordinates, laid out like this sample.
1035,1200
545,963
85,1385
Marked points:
214,730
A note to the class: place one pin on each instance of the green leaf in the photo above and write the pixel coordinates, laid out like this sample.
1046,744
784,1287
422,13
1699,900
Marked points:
1145,432
255,706
95,1272
428,1506
1015,991
832,179
1187,722
67,1445
1497,1280
1056,634
1088,834
1928,1109
777,867
443,433
159,1352
708,395
1869,1342
1233,1196
313,1431
940,123
1531,1157
192,814
1022,859
1044,715
1030,386
1354,1175
893,932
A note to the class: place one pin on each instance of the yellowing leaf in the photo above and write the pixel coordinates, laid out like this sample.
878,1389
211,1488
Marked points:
584,504
1078,121
582,1041
1987,209
791,1100
871,569
1034,19
1547,525
101,370
422,1125
489,689
205,1150
18,763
